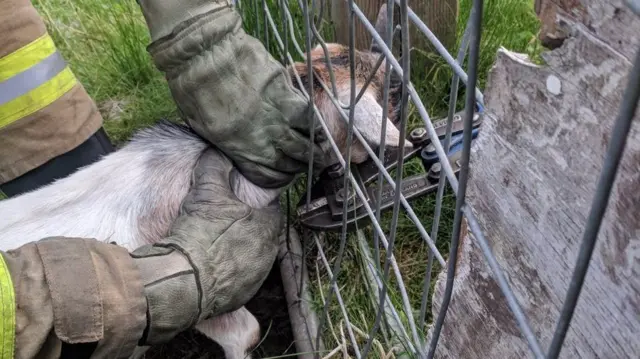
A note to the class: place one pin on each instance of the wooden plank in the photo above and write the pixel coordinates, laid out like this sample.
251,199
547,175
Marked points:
339,16
439,15
534,172
610,21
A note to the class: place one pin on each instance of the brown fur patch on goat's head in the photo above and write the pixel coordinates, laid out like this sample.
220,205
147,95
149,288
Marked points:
368,114
368,119
365,62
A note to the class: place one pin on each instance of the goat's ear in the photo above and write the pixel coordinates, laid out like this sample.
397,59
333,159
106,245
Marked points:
368,120
381,25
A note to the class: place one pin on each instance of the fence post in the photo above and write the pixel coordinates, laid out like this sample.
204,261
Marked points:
532,202
441,16
339,14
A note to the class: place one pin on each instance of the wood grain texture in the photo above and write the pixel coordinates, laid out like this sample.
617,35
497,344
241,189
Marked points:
439,15
533,175
340,18
610,21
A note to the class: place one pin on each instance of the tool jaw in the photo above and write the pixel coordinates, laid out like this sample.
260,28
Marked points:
325,211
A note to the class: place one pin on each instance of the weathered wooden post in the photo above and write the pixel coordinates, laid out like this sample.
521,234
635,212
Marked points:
439,15
533,175
339,17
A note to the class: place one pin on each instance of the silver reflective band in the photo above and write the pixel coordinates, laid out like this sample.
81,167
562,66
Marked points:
31,78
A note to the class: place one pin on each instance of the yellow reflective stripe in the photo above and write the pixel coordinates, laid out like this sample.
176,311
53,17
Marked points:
26,56
8,312
37,98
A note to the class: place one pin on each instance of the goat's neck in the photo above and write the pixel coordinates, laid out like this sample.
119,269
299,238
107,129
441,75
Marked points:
252,194
259,197
130,196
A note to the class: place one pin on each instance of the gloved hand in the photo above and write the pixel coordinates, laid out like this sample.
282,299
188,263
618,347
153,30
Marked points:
230,90
217,255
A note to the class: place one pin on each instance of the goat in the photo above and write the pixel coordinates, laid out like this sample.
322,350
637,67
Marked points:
133,195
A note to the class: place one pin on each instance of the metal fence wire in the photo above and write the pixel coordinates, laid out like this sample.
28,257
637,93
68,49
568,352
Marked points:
402,321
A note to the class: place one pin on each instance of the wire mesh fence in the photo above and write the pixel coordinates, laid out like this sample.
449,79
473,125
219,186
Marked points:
292,28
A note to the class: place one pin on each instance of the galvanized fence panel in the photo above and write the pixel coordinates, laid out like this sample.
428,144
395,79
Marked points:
408,335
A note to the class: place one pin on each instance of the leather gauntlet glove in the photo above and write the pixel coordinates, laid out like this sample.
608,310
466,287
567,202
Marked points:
230,90
215,258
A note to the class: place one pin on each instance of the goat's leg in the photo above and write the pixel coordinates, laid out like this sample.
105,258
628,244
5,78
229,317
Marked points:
237,332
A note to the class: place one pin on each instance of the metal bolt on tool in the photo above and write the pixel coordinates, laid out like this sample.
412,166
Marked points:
336,171
418,134
341,197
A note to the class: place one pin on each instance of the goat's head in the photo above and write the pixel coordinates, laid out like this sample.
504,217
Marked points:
368,112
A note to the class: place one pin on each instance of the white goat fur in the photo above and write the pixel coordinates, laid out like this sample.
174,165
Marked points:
133,195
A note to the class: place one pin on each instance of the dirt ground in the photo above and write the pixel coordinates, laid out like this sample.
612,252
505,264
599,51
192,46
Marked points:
270,308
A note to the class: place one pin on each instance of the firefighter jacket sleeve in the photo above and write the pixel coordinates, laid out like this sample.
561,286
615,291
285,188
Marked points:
230,90
71,290
44,110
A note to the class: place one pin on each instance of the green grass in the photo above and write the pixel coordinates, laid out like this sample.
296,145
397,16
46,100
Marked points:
105,44
508,23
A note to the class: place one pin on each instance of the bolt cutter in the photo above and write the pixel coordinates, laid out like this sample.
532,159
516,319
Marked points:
325,210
